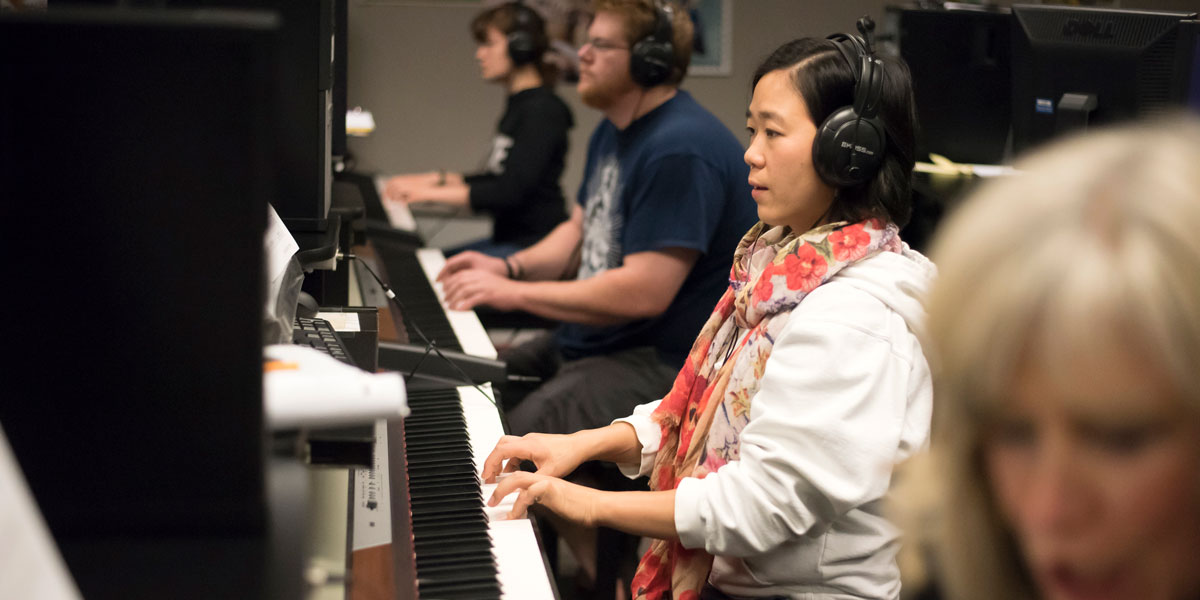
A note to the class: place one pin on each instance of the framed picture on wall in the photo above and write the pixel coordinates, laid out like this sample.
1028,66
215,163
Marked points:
712,49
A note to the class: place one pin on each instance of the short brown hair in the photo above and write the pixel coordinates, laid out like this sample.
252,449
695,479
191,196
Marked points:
504,19
640,17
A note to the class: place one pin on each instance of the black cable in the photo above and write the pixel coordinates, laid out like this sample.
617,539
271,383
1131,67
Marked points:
429,344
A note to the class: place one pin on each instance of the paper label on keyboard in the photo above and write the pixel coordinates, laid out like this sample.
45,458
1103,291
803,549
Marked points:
372,501
341,321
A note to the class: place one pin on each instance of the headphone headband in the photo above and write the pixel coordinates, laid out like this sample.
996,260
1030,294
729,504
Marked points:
527,40
652,58
851,142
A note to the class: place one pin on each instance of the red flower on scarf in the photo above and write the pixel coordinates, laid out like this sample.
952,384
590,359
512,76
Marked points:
764,288
850,243
651,580
804,268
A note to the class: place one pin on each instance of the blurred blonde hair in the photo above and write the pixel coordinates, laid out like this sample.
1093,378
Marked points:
1094,246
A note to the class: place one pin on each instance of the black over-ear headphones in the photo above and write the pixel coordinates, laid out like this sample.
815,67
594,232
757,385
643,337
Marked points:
850,144
651,58
527,40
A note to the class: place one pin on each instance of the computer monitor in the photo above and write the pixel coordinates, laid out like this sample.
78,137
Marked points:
304,116
136,161
1074,67
959,58
341,59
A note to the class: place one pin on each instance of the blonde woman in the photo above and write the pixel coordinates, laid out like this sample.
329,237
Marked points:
1064,335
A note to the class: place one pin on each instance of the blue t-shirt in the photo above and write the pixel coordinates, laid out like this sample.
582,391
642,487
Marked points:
674,178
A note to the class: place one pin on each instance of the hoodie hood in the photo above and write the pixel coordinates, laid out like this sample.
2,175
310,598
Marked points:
899,280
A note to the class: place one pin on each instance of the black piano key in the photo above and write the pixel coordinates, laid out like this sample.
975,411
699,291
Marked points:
450,542
454,540
479,519
478,591
429,586
448,555
435,570
452,547
459,475
431,507
446,491
415,293
450,528
433,465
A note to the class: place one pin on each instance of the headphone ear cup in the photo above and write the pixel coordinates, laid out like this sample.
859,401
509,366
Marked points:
521,48
650,62
848,150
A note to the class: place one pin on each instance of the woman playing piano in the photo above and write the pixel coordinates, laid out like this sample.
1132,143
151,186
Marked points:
770,457
518,185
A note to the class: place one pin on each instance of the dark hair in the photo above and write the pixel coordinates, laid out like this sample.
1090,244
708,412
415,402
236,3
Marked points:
825,81
640,18
504,18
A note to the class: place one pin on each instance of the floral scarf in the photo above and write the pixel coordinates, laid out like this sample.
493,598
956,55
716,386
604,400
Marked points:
773,270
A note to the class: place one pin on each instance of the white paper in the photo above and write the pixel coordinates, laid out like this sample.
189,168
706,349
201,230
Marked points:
30,565
303,386
279,246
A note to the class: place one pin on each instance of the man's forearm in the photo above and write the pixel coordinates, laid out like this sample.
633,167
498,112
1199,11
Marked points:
600,300
642,287
551,257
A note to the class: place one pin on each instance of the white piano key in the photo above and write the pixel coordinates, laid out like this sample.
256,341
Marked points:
398,213
483,421
519,575
500,511
470,332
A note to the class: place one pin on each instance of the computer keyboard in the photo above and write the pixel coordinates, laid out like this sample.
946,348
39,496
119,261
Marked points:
319,334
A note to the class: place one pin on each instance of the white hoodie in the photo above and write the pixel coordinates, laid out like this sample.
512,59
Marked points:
846,394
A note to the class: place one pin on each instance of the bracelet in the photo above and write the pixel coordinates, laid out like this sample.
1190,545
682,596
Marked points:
508,266
441,180
520,270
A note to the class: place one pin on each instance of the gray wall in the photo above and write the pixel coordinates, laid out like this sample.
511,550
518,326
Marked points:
411,64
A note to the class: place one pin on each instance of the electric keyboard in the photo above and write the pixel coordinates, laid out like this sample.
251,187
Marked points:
443,541
319,334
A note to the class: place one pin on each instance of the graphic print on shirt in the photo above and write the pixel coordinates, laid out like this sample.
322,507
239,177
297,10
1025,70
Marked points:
601,221
500,146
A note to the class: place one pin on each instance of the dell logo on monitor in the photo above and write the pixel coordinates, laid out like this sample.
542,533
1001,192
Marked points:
1090,29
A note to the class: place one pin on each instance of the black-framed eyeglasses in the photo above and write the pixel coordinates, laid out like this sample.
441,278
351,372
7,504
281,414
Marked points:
603,44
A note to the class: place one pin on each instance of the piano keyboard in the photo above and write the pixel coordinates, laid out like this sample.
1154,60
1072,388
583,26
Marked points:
449,528
461,548
398,213
467,328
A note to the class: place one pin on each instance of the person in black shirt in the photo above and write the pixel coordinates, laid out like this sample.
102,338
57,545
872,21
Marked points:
518,185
